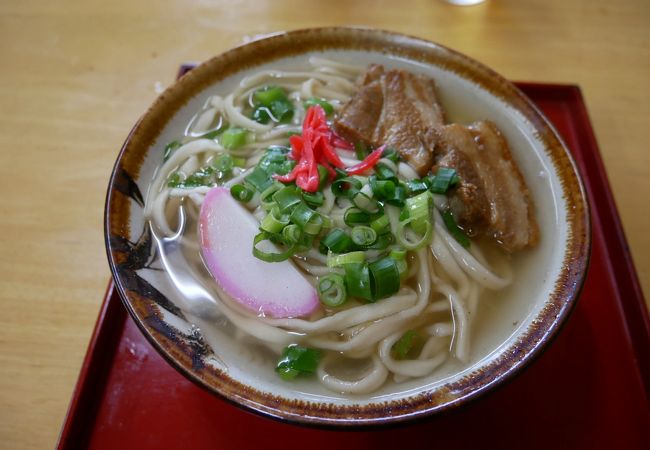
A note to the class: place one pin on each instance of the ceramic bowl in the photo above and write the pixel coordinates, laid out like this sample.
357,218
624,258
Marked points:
539,302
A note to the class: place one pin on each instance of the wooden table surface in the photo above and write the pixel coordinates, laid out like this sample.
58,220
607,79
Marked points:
77,74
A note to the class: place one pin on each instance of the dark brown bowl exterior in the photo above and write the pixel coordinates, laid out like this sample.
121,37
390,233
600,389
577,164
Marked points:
186,352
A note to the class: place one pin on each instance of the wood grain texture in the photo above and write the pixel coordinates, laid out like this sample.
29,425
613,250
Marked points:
77,74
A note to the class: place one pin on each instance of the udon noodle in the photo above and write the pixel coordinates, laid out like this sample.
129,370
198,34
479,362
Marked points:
439,295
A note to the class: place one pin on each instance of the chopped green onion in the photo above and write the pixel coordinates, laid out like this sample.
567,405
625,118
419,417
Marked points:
297,360
241,193
282,110
361,150
171,148
270,256
267,95
421,239
334,260
342,187
357,281
202,177
266,197
384,278
327,107
313,199
419,210
175,180
337,241
323,177
382,242
234,138
399,196
456,232
262,115
287,197
384,172
223,163
314,225
365,203
302,214
399,255
238,162
364,236
443,180
416,186
272,103
382,188
259,179
274,221
390,154
381,224
354,216
406,344
331,290
340,173
291,233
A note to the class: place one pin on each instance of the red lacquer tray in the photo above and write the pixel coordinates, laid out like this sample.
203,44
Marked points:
588,390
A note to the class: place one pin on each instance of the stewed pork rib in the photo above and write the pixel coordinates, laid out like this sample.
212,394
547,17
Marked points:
395,108
401,110
492,198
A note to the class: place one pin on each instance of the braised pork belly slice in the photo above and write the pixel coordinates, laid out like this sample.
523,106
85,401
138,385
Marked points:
492,198
397,109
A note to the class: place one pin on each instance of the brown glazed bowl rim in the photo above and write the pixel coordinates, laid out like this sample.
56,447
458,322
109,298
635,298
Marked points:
182,355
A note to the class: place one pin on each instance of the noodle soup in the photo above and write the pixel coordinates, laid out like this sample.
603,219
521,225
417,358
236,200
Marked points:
425,328
426,304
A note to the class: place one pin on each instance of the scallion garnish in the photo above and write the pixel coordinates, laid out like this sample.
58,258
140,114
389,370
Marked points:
419,211
259,179
416,186
287,197
297,360
272,103
391,154
399,196
337,241
404,347
275,221
413,241
361,150
443,179
327,106
354,216
455,231
344,186
331,290
223,163
384,278
334,260
384,172
241,193
234,138
381,224
313,199
357,281
171,148
269,256
363,235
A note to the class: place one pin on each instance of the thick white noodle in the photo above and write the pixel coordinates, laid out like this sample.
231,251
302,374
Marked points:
467,261
369,382
407,367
